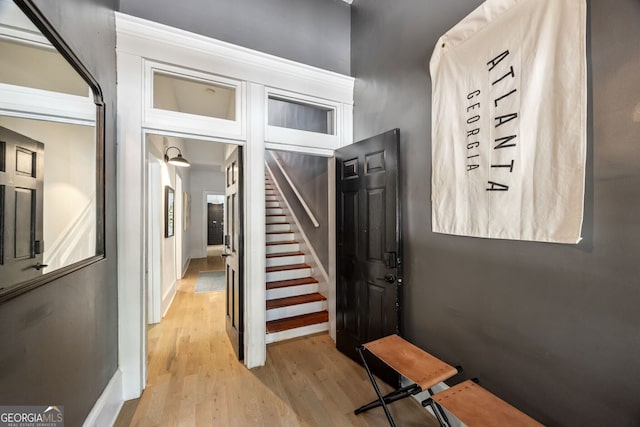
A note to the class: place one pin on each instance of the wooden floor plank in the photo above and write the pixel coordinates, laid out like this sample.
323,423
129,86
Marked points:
194,379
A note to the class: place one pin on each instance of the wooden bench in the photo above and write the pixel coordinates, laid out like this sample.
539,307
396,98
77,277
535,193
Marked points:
469,402
415,364
477,407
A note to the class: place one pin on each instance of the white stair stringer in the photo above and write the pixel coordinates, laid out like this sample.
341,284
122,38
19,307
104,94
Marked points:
292,290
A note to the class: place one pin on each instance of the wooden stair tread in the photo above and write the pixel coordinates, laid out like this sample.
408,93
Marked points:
294,300
297,321
285,254
292,282
279,232
283,242
287,267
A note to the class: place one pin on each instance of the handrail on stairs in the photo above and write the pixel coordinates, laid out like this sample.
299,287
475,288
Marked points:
315,222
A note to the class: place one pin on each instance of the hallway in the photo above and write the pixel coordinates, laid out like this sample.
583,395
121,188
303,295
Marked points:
194,379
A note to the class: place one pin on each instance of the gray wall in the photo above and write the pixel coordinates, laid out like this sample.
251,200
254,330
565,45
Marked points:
310,175
60,341
554,329
314,32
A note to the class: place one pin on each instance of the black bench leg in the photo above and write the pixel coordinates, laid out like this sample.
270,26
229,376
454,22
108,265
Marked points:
391,397
437,406
437,411
376,388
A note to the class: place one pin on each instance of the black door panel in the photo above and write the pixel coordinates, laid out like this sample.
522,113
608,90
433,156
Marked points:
21,207
368,244
233,249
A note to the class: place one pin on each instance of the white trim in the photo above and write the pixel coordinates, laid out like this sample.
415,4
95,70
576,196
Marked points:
255,353
140,41
172,120
168,297
174,46
107,408
287,136
331,207
324,152
131,228
37,103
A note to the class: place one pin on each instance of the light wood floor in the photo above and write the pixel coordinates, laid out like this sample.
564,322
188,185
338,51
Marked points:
195,380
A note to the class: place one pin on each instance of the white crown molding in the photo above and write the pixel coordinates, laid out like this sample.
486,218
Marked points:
163,43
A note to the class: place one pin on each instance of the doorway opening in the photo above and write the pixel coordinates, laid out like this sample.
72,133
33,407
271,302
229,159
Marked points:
215,224
176,244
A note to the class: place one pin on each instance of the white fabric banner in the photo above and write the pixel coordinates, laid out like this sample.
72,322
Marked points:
509,122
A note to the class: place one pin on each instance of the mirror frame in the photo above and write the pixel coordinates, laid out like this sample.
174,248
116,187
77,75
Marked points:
47,30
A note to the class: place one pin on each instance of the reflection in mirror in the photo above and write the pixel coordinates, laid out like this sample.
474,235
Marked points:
50,157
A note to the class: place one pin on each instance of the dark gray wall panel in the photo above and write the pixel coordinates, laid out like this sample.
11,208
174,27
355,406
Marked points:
310,175
60,341
314,32
551,328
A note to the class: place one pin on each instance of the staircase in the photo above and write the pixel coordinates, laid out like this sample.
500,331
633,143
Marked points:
294,306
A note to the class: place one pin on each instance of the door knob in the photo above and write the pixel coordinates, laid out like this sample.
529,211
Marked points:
389,278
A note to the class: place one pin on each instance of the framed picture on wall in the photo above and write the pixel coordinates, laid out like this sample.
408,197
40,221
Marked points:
169,215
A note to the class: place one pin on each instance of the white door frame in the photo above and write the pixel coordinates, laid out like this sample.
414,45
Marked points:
154,232
140,43
178,226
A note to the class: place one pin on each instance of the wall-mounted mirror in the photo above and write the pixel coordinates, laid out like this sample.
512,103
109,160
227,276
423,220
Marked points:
51,155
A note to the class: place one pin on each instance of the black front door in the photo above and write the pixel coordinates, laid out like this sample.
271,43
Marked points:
21,211
233,251
368,243
215,231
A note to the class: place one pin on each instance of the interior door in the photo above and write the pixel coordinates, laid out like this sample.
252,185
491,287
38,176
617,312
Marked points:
233,251
368,224
21,212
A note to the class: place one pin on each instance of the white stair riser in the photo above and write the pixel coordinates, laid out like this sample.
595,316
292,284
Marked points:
279,219
274,211
292,291
278,227
297,332
283,248
299,273
285,260
270,198
295,310
272,204
280,237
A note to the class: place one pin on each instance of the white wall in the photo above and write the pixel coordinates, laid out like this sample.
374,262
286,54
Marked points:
202,180
69,199
157,144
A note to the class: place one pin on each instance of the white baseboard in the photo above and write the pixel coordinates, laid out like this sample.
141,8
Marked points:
185,266
167,298
106,409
